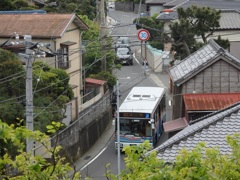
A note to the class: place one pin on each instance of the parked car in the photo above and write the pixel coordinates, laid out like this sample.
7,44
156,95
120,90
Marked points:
144,15
123,42
111,5
124,56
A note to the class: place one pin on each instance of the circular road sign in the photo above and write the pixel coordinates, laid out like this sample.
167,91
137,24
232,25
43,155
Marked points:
143,35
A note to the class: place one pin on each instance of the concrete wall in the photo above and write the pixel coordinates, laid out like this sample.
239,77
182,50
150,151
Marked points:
90,102
124,6
72,111
142,10
155,9
153,56
82,134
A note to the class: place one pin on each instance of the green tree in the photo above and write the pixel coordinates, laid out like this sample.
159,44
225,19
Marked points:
12,79
56,90
183,40
20,4
204,20
224,43
155,29
80,7
23,165
51,91
93,48
198,163
10,5
6,5
193,21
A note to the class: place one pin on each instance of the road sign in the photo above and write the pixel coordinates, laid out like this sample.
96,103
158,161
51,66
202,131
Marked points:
143,35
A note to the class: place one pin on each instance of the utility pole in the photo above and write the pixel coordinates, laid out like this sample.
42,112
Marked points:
118,134
29,55
103,34
29,94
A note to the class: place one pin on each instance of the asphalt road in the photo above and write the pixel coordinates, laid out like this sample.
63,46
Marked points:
129,76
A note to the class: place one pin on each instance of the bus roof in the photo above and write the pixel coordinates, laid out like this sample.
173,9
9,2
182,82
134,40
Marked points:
142,99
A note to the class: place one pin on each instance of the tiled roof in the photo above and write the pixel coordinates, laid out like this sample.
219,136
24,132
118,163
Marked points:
168,15
198,60
210,102
95,81
174,3
38,25
216,4
230,19
213,130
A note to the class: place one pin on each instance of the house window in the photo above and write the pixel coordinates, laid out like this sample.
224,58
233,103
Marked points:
63,57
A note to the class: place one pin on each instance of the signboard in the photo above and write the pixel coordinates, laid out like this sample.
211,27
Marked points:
143,35
134,115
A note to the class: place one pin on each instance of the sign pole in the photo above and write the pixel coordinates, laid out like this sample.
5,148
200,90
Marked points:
143,35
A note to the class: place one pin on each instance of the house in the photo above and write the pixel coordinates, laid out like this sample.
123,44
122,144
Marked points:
230,29
94,91
174,4
198,105
211,69
63,34
155,6
216,4
211,129
229,21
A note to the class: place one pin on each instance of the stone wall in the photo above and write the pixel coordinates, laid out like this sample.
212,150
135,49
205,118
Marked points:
82,134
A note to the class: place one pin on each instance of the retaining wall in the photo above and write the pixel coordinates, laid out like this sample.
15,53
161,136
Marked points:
81,135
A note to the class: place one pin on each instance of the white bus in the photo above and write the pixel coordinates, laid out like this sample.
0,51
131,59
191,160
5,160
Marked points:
141,116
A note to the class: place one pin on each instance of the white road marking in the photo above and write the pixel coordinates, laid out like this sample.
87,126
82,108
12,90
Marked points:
93,159
135,58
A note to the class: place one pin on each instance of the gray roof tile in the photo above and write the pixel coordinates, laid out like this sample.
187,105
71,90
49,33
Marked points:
216,4
230,19
211,51
175,3
212,130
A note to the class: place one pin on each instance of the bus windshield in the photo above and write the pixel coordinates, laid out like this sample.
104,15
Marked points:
136,127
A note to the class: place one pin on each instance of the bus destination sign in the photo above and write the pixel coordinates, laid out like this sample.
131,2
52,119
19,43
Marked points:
135,115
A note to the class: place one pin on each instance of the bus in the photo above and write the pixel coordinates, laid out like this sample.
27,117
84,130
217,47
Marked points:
141,117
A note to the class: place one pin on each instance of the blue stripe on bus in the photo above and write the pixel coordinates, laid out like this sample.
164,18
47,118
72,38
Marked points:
134,139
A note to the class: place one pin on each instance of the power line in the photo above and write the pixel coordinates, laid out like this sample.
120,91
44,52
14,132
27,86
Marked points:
51,103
